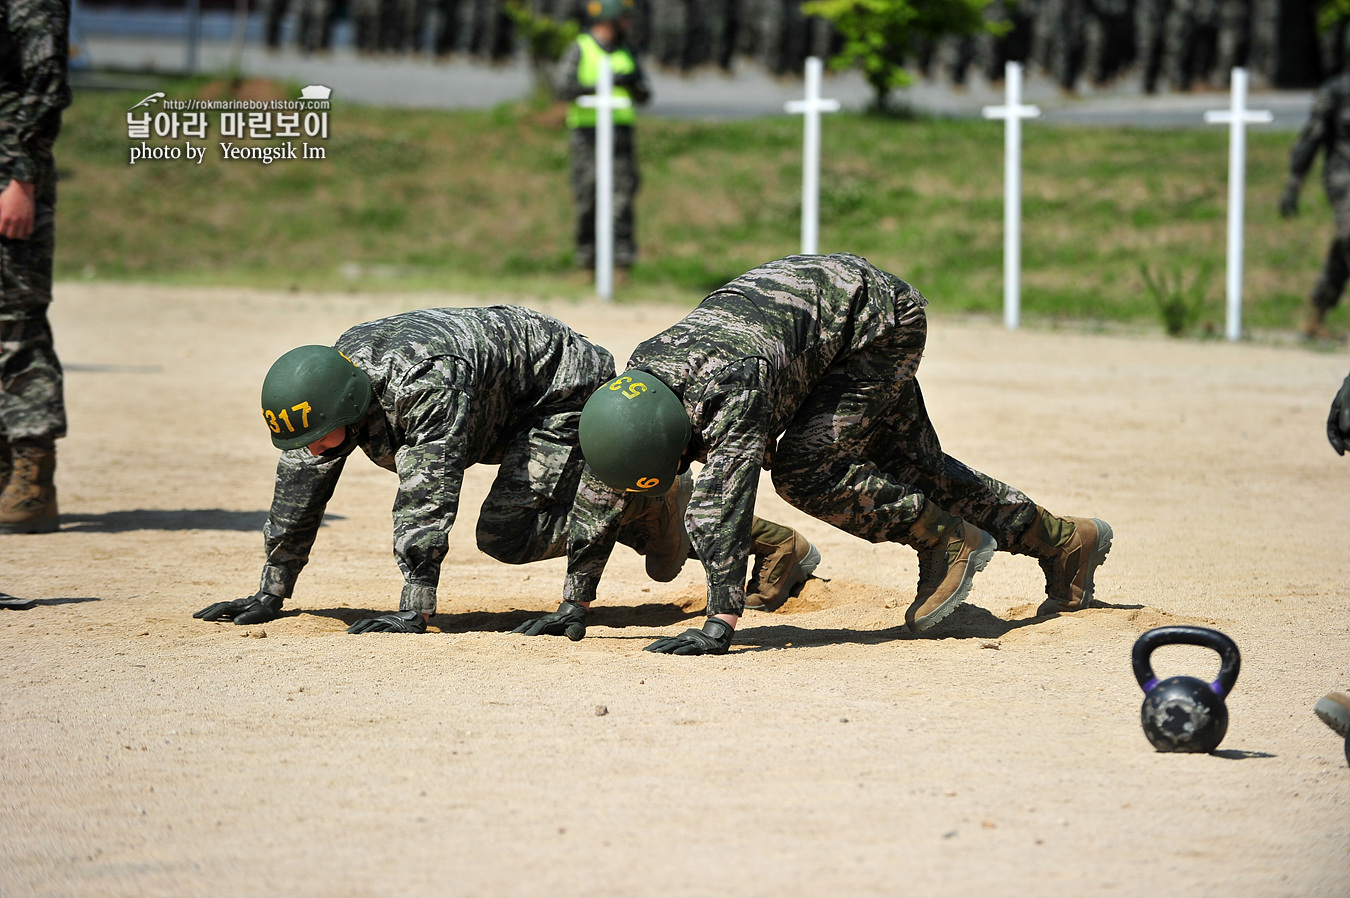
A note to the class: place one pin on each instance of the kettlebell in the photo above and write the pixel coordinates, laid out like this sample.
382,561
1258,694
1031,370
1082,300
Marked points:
1184,713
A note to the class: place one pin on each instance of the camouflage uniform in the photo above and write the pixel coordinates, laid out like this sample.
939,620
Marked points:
1328,128
33,91
805,366
452,388
581,146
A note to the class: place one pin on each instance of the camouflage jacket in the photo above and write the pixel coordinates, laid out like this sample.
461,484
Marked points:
743,363
1328,127
451,387
34,54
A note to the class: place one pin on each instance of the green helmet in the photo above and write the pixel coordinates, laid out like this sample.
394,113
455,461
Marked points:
310,392
633,431
608,10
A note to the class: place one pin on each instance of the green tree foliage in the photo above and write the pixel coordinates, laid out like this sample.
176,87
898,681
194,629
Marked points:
545,41
880,35
1332,13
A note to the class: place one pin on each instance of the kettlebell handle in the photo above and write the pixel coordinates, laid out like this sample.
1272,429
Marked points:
1230,662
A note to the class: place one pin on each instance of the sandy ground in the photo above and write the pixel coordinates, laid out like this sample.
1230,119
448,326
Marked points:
830,753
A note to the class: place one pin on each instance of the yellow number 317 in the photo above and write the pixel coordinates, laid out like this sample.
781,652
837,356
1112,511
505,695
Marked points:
633,391
304,410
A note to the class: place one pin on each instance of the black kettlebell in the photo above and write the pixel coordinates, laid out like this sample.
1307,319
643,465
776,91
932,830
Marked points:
1183,713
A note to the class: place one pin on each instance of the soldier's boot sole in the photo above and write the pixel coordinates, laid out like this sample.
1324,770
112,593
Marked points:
1095,559
971,563
1334,711
36,525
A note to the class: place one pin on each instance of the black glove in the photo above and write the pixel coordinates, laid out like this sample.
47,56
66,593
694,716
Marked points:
1289,200
258,608
1338,422
398,622
569,620
713,639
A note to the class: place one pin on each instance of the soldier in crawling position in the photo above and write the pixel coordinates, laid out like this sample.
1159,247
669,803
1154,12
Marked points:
805,366
427,394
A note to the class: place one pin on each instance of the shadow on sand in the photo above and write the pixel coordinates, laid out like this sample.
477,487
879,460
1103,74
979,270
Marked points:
168,519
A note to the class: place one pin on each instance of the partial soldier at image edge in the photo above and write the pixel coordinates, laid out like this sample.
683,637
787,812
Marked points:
34,58
1338,420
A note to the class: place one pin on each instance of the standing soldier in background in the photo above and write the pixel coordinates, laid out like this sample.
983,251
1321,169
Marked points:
579,73
34,54
1328,128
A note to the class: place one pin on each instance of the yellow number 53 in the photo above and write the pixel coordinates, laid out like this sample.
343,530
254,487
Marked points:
633,390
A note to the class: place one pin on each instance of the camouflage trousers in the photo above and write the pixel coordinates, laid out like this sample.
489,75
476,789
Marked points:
1336,267
524,517
581,142
861,453
32,405
526,513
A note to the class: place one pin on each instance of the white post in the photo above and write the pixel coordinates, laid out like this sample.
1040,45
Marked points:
604,102
810,109
1012,111
1237,117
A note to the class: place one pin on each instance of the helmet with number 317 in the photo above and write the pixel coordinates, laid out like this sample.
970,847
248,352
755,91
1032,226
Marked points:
310,392
633,431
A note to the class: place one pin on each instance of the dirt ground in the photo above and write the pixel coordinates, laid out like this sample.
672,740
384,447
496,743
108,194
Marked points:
830,753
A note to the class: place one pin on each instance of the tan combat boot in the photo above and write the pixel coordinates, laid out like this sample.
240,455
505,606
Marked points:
28,502
6,463
951,551
783,560
1070,551
658,527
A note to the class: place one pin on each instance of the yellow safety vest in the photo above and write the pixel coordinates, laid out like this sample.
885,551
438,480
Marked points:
588,75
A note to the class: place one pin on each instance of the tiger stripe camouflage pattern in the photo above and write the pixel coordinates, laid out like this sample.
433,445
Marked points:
804,366
452,388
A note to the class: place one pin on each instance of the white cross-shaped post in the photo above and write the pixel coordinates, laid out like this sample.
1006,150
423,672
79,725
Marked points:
604,102
811,108
1013,112
1237,117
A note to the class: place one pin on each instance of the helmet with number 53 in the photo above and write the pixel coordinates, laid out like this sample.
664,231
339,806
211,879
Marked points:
310,392
633,431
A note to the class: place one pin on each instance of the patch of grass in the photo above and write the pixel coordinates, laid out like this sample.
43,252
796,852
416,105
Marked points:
1179,303
480,200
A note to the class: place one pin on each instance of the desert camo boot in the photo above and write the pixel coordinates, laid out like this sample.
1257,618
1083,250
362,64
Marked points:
665,540
28,502
951,552
783,560
1333,709
1069,551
